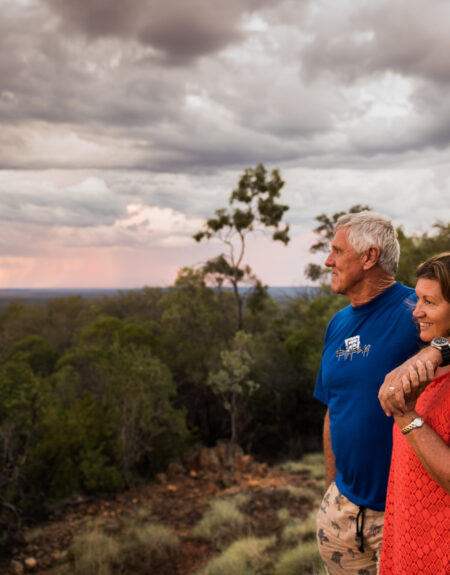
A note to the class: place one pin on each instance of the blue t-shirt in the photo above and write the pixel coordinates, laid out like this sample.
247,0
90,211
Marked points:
363,344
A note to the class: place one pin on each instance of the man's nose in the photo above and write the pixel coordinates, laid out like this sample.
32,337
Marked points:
329,262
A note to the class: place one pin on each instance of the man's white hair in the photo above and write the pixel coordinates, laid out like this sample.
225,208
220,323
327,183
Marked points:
366,229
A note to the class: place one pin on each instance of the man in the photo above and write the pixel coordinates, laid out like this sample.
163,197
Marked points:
363,342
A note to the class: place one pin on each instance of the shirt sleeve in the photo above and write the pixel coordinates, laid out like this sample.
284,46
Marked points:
320,392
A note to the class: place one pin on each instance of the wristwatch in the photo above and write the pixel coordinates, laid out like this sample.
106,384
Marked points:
442,344
416,422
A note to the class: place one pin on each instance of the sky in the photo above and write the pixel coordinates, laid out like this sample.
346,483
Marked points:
124,125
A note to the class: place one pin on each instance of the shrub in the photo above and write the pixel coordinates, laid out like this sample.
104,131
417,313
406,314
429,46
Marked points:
94,553
297,530
311,465
158,542
304,559
222,523
245,557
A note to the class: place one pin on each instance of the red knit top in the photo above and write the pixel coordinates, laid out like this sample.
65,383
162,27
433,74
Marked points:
416,537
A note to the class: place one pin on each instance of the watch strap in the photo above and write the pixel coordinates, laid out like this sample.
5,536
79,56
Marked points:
415,423
444,348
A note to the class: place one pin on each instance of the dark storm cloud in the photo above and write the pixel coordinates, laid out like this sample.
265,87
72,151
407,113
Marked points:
408,37
147,85
182,31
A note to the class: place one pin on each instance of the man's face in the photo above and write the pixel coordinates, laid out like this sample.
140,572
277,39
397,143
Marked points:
346,265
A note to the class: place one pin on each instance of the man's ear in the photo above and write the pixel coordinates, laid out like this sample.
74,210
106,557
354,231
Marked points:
371,257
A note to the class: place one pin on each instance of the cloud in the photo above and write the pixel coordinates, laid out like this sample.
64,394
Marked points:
180,31
408,37
40,202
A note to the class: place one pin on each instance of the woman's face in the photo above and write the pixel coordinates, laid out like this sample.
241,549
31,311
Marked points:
432,311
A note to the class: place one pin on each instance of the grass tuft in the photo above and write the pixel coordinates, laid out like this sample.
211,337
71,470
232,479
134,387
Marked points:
158,541
222,523
94,553
297,530
244,557
304,559
97,553
311,465
303,494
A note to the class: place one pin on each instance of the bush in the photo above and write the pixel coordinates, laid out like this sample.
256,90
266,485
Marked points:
296,530
304,559
245,557
222,523
96,553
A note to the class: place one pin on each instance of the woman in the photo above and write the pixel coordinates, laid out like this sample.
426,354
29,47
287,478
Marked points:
416,537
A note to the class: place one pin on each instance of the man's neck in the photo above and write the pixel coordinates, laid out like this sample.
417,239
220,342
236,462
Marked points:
371,287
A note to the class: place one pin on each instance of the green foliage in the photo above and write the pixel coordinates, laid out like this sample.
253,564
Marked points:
417,248
233,382
100,417
304,344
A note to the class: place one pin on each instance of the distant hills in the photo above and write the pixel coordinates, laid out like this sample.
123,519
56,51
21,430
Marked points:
42,296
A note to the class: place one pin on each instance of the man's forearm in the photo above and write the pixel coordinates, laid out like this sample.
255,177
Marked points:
391,394
330,465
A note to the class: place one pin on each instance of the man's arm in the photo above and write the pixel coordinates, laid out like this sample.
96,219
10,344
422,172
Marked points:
391,394
330,465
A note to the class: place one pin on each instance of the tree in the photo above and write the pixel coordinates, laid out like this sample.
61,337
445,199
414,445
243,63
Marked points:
197,323
416,249
325,231
233,382
253,207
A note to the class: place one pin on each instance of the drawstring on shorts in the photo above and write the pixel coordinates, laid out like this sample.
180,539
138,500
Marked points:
360,527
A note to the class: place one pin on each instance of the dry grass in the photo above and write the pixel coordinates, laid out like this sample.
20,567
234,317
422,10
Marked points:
222,523
297,530
244,557
304,559
94,552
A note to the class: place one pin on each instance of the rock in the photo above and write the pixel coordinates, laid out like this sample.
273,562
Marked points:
222,453
30,563
174,470
59,557
208,459
16,568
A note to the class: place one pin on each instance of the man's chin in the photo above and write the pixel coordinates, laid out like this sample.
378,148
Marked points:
334,286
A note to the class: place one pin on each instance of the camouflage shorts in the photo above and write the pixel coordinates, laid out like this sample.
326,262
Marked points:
340,524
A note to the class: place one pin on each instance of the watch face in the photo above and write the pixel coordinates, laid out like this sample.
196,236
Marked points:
440,341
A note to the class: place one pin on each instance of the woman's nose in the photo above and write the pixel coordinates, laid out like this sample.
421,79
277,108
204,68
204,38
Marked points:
418,311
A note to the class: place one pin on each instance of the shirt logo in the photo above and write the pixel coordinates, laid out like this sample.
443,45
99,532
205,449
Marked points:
352,347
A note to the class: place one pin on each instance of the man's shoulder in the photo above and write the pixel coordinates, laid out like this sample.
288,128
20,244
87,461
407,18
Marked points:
406,291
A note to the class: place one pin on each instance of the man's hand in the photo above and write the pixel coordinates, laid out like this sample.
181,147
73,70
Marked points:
403,385
416,381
